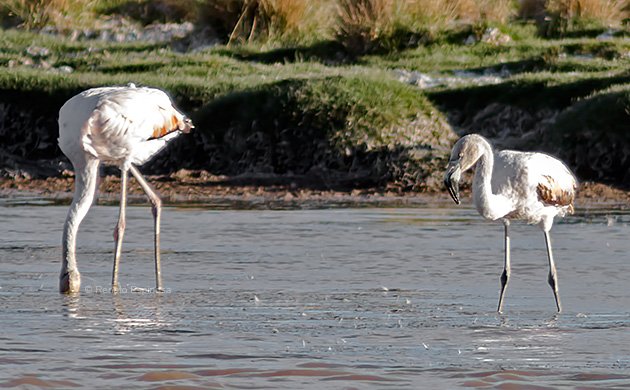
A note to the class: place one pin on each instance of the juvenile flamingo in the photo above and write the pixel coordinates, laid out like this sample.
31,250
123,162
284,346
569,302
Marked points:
122,126
533,187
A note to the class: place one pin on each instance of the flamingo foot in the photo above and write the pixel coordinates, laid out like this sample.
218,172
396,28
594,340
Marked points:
70,282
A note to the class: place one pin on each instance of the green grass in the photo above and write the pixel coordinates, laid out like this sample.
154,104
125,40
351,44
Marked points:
320,111
541,54
250,117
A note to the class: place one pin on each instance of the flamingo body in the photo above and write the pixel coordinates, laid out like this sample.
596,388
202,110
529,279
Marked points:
537,187
511,185
122,126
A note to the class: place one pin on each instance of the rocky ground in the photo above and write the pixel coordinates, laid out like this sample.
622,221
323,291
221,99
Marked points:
116,29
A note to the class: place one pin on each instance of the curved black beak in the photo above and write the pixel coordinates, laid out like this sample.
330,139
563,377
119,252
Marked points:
451,180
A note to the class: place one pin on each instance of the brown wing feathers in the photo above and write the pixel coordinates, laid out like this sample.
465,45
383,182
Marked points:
167,127
551,193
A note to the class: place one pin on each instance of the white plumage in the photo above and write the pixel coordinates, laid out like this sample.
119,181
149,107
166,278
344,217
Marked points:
533,187
122,126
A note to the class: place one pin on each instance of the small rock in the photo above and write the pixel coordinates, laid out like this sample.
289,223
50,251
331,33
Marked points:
471,40
606,35
37,51
65,69
45,65
494,36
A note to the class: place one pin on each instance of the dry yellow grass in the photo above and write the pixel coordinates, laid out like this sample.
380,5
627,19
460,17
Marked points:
608,12
291,20
288,21
468,11
358,24
35,14
363,24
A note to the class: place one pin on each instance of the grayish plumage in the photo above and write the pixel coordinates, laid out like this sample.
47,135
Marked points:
533,187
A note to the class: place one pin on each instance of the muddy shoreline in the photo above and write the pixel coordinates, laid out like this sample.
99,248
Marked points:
201,187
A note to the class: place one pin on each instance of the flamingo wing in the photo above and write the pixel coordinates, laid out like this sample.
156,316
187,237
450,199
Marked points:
552,193
554,182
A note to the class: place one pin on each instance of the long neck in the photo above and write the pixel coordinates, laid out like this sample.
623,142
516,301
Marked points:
489,205
85,188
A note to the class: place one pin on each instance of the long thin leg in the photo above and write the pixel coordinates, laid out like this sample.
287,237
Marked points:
120,228
86,179
553,274
505,276
156,203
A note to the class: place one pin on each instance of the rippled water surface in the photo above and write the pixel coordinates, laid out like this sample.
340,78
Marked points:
333,298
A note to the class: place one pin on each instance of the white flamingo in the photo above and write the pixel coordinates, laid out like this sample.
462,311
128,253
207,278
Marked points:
533,187
122,126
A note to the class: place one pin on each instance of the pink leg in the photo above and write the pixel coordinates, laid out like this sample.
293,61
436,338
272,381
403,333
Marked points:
119,232
156,204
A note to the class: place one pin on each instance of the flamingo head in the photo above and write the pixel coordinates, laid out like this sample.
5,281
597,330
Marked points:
186,125
465,153
451,180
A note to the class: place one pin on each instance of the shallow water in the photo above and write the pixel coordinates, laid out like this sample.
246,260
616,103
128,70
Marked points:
332,298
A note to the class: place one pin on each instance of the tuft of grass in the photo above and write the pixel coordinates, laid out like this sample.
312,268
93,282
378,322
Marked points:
566,16
362,24
286,22
446,13
35,14
292,21
368,26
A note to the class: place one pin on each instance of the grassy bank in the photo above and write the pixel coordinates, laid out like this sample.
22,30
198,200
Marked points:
333,115
348,126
